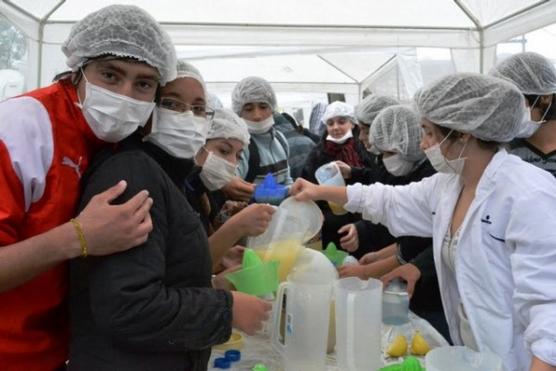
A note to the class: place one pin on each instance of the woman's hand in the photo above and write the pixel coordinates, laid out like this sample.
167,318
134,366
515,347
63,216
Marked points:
345,169
249,312
303,190
238,189
353,270
254,219
233,257
350,241
220,281
369,258
407,272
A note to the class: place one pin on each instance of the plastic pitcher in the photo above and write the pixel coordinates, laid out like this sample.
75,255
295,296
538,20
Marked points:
358,324
458,358
306,321
329,174
293,224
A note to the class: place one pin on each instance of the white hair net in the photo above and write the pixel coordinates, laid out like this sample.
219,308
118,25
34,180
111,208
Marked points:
368,108
123,31
338,109
530,72
185,69
486,107
398,129
227,125
252,90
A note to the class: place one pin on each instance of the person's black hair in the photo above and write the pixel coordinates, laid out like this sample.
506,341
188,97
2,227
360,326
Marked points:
551,113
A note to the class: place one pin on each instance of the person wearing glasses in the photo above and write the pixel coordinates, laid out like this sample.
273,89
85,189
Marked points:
210,166
153,307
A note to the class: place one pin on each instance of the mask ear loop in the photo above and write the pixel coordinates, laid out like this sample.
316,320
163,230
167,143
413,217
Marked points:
542,121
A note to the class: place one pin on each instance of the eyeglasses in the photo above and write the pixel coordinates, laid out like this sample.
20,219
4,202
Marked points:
178,106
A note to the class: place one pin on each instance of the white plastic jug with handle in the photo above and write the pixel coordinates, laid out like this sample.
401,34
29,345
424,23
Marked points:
358,324
306,321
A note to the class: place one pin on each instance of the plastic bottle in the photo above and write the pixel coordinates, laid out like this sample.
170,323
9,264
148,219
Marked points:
348,260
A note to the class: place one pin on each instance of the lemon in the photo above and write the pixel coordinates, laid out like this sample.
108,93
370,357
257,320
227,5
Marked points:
398,347
419,345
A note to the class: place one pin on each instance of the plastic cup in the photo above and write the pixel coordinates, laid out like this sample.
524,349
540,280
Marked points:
329,174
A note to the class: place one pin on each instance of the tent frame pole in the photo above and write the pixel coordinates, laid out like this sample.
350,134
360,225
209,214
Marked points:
479,28
42,24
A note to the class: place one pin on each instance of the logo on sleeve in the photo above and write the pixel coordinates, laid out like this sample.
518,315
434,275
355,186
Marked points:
69,162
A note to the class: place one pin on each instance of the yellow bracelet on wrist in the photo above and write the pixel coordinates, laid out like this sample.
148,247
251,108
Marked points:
81,236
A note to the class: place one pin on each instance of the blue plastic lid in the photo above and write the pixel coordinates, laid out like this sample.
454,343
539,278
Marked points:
222,363
269,191
232,355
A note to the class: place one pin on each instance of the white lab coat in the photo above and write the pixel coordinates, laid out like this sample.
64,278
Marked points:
506,257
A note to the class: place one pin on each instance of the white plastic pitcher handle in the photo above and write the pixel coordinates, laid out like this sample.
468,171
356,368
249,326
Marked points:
277,316
350,329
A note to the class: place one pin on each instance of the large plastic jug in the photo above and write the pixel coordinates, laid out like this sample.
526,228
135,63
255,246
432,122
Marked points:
458,358
306,320
329,174
358,324
293,224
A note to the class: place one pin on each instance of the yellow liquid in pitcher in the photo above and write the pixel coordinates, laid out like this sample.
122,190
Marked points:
337,209
285,252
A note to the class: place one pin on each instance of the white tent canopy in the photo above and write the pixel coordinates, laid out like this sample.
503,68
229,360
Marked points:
305,46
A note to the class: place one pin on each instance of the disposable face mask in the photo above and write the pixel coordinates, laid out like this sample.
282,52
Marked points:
397,166
216,172
260,127
111,116
341,140
180,134
440,163
528,126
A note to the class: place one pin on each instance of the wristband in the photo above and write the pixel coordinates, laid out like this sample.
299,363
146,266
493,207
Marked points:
81,236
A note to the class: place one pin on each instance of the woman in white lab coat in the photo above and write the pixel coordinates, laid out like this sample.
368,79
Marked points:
490,214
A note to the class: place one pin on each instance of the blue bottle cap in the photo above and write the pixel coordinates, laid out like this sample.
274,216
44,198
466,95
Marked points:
232,355
222,363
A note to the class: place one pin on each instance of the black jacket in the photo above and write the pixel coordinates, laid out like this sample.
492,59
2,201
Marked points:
332,222
151,307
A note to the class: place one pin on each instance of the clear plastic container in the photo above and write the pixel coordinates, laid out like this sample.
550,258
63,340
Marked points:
395,304
293,224
358,324
329,174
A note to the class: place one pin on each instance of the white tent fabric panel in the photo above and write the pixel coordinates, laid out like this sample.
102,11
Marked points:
298,68
538,17
287,12
305,45
489,11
